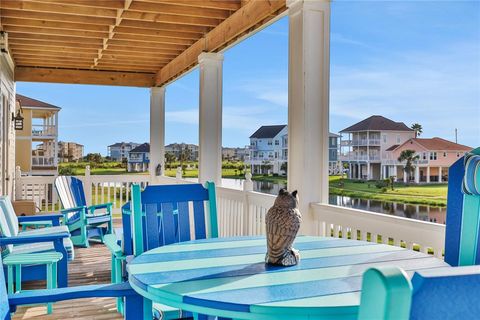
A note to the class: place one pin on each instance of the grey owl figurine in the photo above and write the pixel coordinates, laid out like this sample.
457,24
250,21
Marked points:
283,221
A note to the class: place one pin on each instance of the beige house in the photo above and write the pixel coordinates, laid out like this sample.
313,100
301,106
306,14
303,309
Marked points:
367,143
69,151
36,151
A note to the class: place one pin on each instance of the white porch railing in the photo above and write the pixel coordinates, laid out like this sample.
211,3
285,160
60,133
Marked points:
41,161
43,130
242,212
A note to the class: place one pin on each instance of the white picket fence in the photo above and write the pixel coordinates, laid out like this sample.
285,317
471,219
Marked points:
242,212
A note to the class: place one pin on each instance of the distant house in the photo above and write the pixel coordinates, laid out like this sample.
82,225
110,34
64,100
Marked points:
435,156
36,145
119,151
139,158
373,146
233,153
269,150
177,148
367,143
69,151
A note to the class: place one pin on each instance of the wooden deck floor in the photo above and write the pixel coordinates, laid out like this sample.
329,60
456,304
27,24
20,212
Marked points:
91,266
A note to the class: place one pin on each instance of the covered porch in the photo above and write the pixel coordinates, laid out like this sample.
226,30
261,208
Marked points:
151,44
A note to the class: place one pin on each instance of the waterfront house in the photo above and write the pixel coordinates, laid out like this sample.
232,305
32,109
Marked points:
119,151
364,145
139,158
37,143
269,151
177,149
70,151
435,156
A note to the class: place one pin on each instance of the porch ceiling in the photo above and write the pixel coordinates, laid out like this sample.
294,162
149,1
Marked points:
123,42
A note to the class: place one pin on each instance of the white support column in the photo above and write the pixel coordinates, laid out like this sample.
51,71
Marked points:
405,175
210,136
428,174
440,174
55,142
417,174
369,170
308,104
157,133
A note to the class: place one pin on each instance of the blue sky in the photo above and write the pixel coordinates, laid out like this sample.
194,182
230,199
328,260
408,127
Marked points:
411,61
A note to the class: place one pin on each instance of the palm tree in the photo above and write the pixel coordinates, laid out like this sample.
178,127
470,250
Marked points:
184,155
169,158
417,128
409,156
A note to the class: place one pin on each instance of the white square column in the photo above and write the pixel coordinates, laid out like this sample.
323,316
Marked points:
308,104
157,133
210,135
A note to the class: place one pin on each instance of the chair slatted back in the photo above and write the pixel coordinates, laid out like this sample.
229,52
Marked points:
71,193
161,215
462,235
439,293
4,232
10,216
4,306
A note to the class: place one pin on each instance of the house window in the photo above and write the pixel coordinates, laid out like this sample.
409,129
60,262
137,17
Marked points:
433,156
269,142
277,142
424,156
384,137
260,154
276,155
444,154
398,138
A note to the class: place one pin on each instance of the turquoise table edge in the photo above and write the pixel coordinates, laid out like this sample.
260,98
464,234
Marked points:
256,312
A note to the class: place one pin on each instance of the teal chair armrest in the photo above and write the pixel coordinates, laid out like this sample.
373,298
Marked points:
110,240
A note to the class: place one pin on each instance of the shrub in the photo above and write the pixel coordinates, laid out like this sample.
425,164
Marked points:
66,171
384,189
381,184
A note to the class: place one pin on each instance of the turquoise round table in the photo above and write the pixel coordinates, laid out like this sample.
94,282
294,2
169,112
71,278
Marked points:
227,277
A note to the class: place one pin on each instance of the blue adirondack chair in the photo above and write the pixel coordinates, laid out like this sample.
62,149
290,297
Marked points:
84,222
442,293
158,216
463,211
39,240
9,303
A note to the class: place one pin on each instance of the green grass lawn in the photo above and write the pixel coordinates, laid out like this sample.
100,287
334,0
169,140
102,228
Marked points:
428,194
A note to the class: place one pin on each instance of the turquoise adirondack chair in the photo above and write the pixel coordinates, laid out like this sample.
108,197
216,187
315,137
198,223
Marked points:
442,293
84,222
55,238
158,216
463,211
10,302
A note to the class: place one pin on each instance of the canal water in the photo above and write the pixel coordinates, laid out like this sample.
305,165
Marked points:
419,212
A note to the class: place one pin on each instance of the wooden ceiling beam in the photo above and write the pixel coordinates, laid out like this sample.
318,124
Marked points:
52,55
164,26
140,55
56,32
39,43
34,48
143,47
159,33
164,8
60,17
20,22
232,5
107,4
170,18
145,38
28,36
237,24
58,8
84,77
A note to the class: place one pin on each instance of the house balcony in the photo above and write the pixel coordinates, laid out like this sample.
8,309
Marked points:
361,142
395,162
44,131
43,162
357,157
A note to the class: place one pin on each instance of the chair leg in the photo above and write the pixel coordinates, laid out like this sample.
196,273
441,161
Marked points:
134,307
50,276
18,278
10,279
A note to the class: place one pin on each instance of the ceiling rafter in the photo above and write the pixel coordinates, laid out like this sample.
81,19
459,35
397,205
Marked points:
111,33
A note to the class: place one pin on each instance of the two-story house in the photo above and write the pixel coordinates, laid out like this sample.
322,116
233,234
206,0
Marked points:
269,151
178,148
36,145
119,151
435,156
139,158
367,142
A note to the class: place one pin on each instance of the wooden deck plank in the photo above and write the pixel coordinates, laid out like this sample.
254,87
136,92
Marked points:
91,266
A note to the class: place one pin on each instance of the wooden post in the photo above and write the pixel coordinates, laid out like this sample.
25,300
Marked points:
247,187
157,133
308,104
87,182
178,174
210,126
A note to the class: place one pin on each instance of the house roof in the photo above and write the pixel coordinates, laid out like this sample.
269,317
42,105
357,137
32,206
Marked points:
437,143
119,144
26,102
395,146
377,123
267,131
144,147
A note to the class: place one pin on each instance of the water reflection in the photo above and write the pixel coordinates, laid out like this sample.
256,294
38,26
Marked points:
419,212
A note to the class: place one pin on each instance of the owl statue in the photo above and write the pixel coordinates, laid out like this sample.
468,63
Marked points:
283,221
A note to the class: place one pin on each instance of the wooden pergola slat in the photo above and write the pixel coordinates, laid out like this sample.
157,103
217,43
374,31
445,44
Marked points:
163,37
